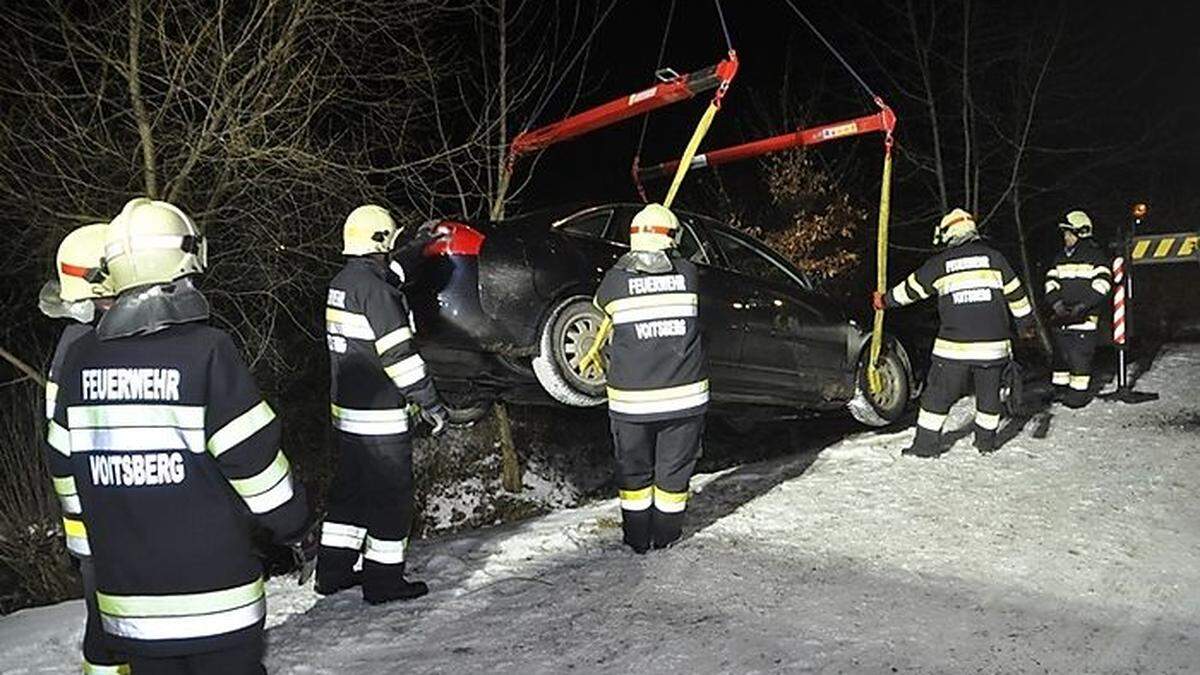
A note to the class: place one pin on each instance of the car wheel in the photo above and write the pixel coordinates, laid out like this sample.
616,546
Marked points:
879,409
566,336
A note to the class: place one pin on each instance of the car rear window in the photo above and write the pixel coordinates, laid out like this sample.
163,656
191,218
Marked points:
588,224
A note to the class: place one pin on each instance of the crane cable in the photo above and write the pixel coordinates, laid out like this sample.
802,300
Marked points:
637,154
726,72
874,377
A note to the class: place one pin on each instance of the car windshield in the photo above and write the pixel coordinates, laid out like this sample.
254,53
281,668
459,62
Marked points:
750,259
615,228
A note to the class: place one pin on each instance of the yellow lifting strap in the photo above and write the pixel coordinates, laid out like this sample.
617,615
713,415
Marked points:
874,380
726,71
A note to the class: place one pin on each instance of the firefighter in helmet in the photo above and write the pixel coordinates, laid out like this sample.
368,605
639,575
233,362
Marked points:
376,373
657,377
977,292
174,456
1077,285
80,293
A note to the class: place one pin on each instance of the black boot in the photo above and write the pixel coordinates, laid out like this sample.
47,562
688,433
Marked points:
925,444
668,528
329,587
985,441
386,583
636,527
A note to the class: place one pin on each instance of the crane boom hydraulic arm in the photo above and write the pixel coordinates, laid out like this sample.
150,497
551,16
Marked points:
884,120
665,93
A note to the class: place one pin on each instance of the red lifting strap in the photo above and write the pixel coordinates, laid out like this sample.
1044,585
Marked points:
884,120
666,93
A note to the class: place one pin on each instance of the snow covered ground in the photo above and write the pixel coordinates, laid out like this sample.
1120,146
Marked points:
1078,552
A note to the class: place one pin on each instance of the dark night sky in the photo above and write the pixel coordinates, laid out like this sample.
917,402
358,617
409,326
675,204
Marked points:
1135,65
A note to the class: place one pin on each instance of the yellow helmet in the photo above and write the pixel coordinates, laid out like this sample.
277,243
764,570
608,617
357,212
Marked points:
955,226
1077,223
152,242
654,228
368,229
80,267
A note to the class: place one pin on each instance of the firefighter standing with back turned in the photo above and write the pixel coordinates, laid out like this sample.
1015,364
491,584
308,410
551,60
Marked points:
175,456
1076,286
80,294
976,290
375,372
657,378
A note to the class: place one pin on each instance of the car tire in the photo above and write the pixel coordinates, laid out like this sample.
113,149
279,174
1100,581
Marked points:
880,410
566,336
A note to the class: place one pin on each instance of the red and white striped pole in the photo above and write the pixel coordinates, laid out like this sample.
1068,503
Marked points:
1118,322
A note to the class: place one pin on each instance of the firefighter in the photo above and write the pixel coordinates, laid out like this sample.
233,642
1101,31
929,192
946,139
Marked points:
174,456
375,373
657,378
1076,287
80,294
976,290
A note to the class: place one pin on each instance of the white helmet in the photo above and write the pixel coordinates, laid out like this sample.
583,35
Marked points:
654,228
80,265
368,229
1077,223
152,242
955,227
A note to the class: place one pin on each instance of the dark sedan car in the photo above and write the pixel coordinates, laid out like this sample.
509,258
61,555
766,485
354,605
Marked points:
504,310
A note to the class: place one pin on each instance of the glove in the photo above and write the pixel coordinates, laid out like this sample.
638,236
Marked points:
304,553
877,301
1027,332
437,417
1062,313
1078,312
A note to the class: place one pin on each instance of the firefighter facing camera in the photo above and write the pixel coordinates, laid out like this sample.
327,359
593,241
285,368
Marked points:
375,374
80,292
161,439
1077,285
657,378
976,291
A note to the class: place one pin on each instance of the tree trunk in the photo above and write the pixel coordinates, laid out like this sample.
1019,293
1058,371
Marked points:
149,171
1027,274
502,174
510,463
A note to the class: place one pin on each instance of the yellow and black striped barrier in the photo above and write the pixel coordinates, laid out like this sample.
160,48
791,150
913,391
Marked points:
1179,247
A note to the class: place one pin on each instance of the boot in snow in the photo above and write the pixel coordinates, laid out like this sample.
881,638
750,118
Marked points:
925,444
327,587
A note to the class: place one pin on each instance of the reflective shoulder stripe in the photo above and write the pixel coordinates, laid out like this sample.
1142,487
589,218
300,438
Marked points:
972,351
636,500
670,502
385,551
268,488
348,324
240,428
961,281
398,336
58,438
184,615
407,371
916,286
385,422
653,401
650,300
136,415
51,398
1052,273
1012,286
1052,285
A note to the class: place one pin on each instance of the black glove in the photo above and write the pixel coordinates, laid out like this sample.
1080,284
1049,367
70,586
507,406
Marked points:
304,553
1079,312
1061,311
407,254
437,417
1027,331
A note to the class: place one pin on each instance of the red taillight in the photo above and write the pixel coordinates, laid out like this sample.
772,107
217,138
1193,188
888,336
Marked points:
461,239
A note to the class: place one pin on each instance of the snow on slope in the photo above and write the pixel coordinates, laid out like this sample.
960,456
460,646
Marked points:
1079,552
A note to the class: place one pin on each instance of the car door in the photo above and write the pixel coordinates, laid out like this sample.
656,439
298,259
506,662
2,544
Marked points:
795,340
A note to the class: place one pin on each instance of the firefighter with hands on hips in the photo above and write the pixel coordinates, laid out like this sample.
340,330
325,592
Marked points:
976,291
175,457
376,373
657,378
1077,285
80,294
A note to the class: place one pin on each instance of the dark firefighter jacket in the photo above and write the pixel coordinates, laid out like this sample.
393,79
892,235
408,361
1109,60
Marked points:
1080,277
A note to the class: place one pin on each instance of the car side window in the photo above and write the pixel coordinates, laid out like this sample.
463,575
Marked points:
750,261
591,224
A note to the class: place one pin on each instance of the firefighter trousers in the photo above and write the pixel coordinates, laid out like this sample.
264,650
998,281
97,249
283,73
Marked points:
947,382
241,659
655,461
369,517
98,655
1073,352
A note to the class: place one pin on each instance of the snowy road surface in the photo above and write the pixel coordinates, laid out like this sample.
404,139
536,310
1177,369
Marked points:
1076,553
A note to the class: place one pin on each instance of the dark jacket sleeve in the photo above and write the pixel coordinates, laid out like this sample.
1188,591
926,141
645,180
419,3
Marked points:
387,314
243,435
1102,279
57,451
916,286
1014,293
